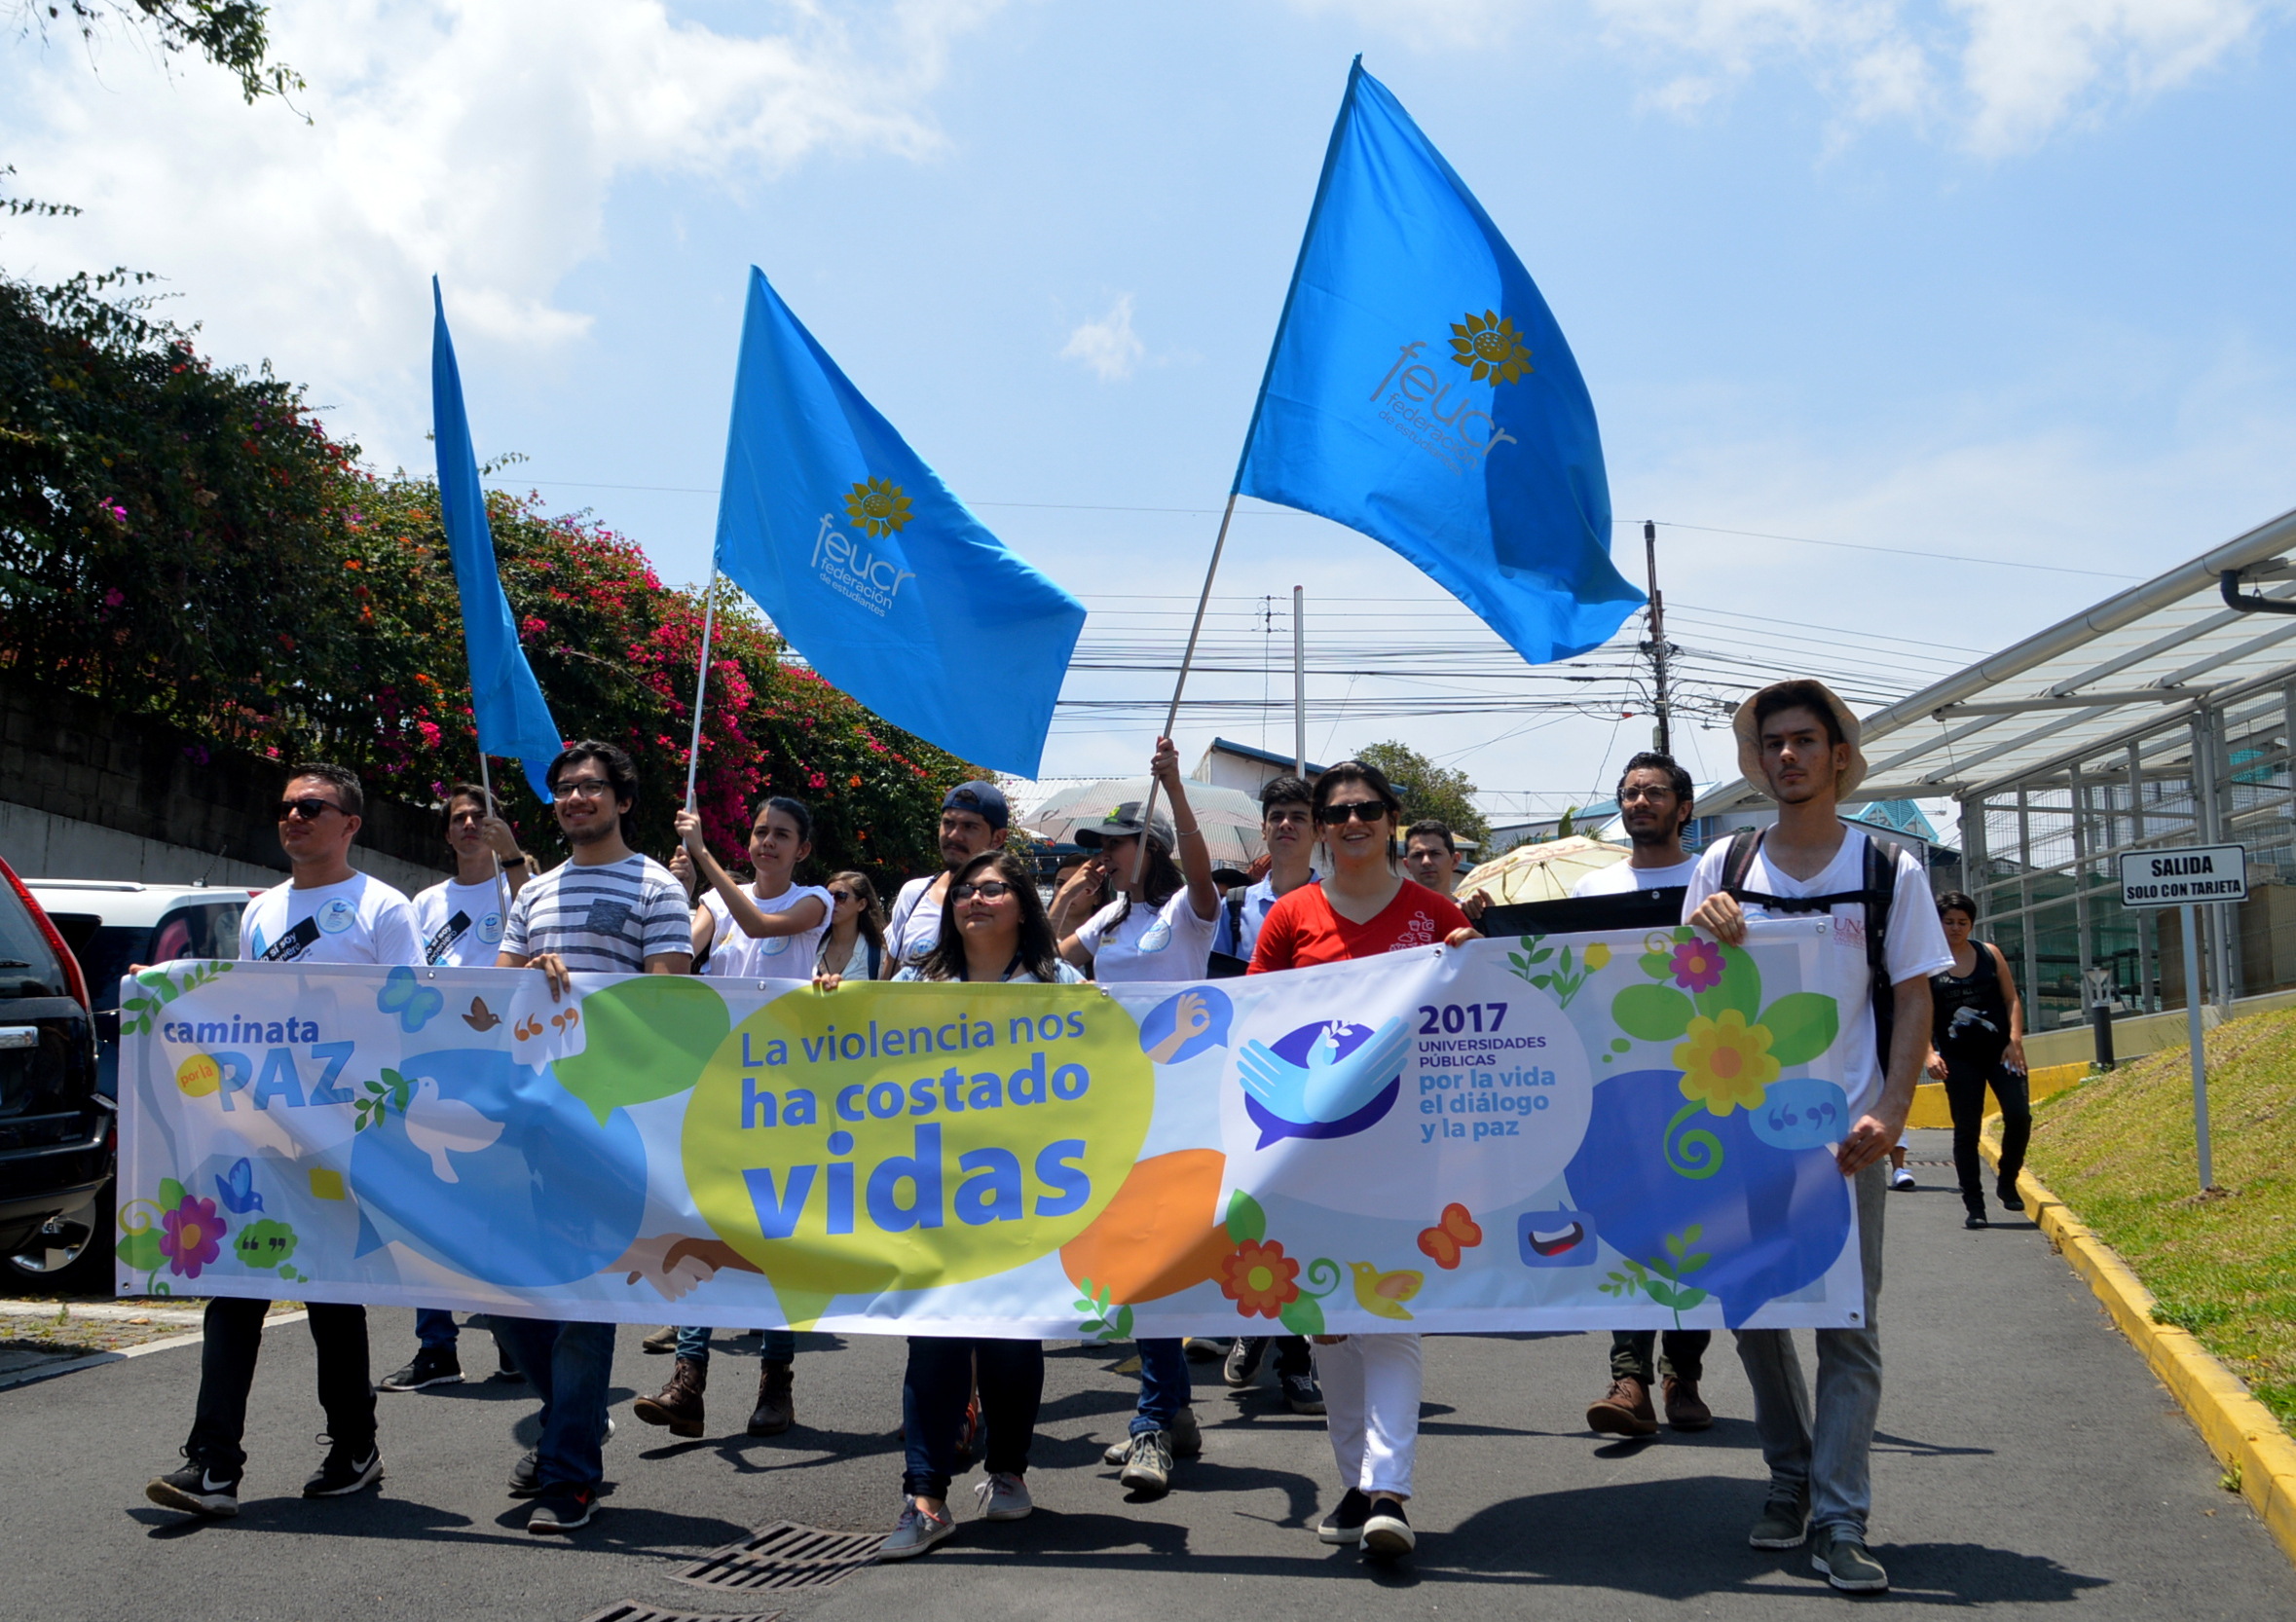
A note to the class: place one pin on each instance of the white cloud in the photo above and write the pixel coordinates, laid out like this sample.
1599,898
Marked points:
1108,346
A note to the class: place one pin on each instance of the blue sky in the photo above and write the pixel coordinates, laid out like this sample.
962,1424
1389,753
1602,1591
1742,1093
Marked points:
2002,279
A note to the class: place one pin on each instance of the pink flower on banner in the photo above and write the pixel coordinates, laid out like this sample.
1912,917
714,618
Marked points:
1697,965
191,1236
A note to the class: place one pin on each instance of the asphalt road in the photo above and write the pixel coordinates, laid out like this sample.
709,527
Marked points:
2027,1466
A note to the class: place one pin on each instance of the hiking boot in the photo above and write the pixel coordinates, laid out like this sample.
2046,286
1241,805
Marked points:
562,1507
662,1339
1625,1411
1387,1532
1302,1393
1245,1354
1004,1497
198,1488
1345,1525
1841,1555
1783,1523
1148,1468
777,1409
2011,1199
679,1404
919,1530
432,1366
1685,1409
345,1470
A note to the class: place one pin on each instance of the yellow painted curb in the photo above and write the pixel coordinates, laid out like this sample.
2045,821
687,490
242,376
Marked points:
2239,1430
1930,1108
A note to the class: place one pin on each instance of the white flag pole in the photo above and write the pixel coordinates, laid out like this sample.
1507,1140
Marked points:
1172,716
701,680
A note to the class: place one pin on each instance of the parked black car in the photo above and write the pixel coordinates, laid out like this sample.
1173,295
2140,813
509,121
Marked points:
57,1133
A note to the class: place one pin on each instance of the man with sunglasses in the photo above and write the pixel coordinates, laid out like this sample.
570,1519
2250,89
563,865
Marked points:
973,818
327,913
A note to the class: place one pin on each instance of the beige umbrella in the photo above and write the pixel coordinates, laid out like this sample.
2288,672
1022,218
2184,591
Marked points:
1229,817
1541,872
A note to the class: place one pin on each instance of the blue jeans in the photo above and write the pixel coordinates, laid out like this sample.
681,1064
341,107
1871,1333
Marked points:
940,1377
1164,1385
774,1346
434,1327
570,1366
1826,1456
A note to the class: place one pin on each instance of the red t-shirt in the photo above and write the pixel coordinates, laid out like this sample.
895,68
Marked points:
1301,928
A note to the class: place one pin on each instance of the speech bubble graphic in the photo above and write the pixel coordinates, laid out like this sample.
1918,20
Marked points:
926,1134
1800,1112
1207,1009
644,1038
1556,1238
1297,1051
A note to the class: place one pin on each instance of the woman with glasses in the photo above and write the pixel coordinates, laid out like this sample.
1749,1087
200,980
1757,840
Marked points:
993,929
1364,908
853,947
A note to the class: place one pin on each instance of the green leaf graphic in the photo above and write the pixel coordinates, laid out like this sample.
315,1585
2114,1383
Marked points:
1740,987
1246,1223
1802,1025
1651,1013
141,1251
171,1193
1657,965
1304,1316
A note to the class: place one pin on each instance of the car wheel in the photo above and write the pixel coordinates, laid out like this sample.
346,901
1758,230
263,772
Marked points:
72,1256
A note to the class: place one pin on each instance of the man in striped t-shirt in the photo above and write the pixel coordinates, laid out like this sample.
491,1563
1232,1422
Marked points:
608,911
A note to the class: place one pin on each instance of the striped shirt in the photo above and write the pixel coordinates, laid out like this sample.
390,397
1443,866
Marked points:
606,919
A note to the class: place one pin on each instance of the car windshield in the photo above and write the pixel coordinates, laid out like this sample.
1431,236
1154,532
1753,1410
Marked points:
28,966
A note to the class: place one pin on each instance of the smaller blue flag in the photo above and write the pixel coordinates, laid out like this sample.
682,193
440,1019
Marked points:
1421,392
871,569
512,718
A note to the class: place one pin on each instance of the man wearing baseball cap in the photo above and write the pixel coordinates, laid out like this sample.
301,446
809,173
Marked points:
973,818
1800,741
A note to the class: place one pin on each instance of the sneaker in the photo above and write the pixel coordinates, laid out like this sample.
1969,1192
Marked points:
1199,1349
1187,1439
432,1366
1901,1178
1387,1531
506,1370
1975,1219
679,1404
562,1507
1685,1410
1302,1392
1841,1555
777,1406
919,1530
526,1476
1004,1497
1148,1467
1345,1525
1784,1521
1245,1354
2011,1199
198,1488
1625,1411
343,1471
662,1341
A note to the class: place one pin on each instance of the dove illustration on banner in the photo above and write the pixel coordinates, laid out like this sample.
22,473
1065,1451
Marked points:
436,1125
1327,1087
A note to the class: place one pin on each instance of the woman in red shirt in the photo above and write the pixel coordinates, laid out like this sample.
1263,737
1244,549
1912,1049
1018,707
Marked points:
1363,906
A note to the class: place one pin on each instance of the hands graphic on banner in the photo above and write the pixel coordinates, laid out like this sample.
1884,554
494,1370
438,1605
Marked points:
1327,1087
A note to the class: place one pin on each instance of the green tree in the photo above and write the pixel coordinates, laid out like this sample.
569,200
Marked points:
234,35
1428,790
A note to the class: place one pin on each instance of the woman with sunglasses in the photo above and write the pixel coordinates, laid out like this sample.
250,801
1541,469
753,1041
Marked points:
853,947
1364,908
993,929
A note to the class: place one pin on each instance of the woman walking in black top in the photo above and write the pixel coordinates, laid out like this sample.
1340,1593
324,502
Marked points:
1977,1040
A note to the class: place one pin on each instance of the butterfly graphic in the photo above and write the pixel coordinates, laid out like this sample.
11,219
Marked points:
415,1003
481,1017
237,1190
1457,1232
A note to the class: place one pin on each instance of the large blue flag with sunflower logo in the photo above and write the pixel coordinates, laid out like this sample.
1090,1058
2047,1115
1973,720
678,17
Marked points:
871,568
1419,391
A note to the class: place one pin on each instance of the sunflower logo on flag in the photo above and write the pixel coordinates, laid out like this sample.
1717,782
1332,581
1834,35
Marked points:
1489,344
877,506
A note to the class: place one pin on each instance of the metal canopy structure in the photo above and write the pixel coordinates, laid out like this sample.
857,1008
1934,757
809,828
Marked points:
2163,715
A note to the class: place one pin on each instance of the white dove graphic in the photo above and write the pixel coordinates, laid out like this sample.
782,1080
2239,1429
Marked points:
436,1124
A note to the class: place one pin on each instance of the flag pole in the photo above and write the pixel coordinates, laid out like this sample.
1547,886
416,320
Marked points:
486,786
1172,716
701,680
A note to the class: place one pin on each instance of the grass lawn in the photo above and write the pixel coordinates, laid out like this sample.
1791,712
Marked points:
2117,1148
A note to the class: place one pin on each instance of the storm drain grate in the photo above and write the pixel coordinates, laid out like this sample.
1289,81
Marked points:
785,1555
630,1610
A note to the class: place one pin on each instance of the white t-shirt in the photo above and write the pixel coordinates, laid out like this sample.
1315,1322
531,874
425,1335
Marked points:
1915,945
360,920
1240,938
915,927
1170,943
765,957
1623,878
460,924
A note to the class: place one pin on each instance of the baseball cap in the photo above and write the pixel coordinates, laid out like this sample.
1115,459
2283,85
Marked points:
984,801
1126,820
1804,687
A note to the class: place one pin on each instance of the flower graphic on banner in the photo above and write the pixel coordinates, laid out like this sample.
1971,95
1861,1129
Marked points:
877,506
1697,965
1260,1279
1489,344
191,1236
1727,1063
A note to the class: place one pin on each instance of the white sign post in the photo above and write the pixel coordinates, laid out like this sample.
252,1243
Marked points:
2188,879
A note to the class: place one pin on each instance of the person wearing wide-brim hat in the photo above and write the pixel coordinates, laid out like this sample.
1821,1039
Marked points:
1797,740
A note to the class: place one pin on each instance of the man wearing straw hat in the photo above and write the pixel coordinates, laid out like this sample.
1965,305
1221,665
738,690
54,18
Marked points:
1800,741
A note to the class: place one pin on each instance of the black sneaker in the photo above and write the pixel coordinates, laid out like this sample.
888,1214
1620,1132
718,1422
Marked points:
198,1488
526,1476
1345,1525
1243,1359
1387,1532
2011,1199
1302,1392
506,1370
432,1366
562,1507
344,1471
1975,1219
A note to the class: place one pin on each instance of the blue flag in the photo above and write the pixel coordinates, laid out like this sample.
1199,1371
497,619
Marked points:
869,566
1421,392
504,697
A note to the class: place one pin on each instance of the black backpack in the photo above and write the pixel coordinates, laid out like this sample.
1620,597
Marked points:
1880,889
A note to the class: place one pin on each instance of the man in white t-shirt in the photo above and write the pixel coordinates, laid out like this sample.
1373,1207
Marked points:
1801,741
973,817
324,913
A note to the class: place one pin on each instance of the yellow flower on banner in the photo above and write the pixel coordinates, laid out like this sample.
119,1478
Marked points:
877,506
1490,345
1598,956
1725,1062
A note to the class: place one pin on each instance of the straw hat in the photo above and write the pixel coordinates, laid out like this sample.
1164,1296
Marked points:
1749,740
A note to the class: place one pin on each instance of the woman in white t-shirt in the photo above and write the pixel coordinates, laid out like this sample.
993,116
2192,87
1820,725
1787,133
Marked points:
772,928
1159,926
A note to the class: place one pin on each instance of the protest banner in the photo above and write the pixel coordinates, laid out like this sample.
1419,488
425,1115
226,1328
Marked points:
1560,1133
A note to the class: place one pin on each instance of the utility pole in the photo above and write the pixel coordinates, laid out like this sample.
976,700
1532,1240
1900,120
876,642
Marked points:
1299,683
1656,646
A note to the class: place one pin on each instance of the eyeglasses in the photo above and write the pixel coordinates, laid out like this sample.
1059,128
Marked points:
310,808
1627,797
1336,815
988,890
582,788
843,896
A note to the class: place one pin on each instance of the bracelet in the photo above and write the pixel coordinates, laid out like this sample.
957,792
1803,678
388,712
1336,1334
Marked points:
1195,833
518,861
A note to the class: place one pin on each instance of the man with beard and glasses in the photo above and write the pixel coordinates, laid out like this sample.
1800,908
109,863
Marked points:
973,818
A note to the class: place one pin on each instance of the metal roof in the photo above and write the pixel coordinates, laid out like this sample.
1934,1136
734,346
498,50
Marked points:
2152,656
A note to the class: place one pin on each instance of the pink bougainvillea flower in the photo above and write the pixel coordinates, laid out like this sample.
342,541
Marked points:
1697,966
191,1236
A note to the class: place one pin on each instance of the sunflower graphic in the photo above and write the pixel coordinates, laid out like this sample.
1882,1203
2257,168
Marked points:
877,506
1489,344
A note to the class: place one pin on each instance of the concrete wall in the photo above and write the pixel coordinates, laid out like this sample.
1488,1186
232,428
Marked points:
40,845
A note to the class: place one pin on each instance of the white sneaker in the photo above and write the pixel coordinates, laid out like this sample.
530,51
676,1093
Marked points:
919,1530
1901,1179
1004,1497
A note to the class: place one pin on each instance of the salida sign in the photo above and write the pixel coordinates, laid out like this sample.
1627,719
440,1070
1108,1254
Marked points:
2183,877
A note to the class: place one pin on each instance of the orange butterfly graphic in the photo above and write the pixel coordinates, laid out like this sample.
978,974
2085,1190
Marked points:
1457,1232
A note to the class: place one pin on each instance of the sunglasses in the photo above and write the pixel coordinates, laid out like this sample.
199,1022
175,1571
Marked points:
843,896
310,808
1361,810
988,890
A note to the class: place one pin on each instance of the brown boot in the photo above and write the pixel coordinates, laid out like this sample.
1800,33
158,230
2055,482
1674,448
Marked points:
776,1410
679,1404
1684,1409
1625,1411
